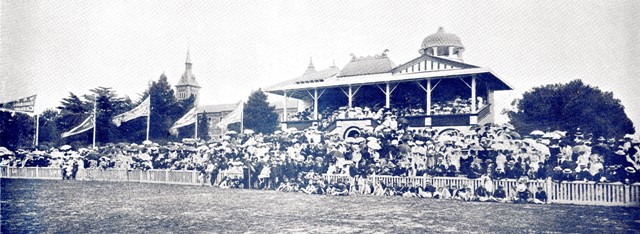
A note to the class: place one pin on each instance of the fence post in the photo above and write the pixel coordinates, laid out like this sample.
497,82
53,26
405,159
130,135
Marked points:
37,174
194,177
166,177
627,194
549,190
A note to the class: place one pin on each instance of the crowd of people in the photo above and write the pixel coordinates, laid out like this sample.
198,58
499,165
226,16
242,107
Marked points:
455,106
295,161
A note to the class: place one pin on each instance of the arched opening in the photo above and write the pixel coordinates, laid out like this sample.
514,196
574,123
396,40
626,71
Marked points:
352,132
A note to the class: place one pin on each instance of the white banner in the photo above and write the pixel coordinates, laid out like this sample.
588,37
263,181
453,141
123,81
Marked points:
23,105
86,125
139,111
233,117
188,119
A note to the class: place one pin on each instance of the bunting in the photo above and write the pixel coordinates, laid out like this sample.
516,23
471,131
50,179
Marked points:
233,117
139,111
25,105
188,119
86,125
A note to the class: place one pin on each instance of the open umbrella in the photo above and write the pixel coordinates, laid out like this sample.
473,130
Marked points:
514,134
537,133
248,131
231,132
65,147
5,151
374,145
561,133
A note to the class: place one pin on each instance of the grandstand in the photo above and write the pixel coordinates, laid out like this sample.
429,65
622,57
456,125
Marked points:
435,90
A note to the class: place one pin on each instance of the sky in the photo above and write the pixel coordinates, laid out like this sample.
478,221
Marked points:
54,47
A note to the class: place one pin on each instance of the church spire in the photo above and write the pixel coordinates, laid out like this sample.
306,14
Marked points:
188,57
310,68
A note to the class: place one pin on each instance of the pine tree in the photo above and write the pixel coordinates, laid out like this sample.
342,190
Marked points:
165,109
258,115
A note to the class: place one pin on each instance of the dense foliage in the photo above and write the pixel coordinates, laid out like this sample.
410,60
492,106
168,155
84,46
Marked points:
259,115
570,106
18,130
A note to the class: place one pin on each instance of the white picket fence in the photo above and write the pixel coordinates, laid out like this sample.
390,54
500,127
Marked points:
577,192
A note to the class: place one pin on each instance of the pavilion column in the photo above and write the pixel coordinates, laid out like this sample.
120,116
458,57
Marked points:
474,102
315,104
429,97
286,100
387,96
350,96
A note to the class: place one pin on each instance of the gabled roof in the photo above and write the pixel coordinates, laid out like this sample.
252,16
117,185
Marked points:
367,65
228,107
381,78
316,77
426,57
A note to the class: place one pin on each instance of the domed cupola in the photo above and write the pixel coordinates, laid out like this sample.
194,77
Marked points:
443,44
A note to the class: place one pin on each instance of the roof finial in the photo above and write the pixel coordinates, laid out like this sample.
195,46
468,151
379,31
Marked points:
188,56
310,68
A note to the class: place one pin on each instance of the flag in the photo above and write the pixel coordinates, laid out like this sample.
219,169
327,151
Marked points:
188,119
139,111
25,105
86,125
233,117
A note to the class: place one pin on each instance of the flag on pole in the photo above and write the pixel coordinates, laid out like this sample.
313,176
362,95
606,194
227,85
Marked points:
233,117
24,105
188,119
139,111
86,125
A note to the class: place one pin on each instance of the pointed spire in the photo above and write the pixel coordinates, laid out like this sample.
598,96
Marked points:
188,56
310,68
334,64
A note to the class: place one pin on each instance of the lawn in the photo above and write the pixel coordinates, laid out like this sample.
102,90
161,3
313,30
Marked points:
83,206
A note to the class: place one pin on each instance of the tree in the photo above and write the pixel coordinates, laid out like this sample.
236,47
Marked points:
49,134
258,115
108,105
203,126
16,130
165,109
570,106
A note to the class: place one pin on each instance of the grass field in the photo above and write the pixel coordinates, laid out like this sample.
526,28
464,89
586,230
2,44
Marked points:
80,206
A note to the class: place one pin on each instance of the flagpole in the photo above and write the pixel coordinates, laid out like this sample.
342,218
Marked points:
95,107
196,137
37,129
148,116
241,117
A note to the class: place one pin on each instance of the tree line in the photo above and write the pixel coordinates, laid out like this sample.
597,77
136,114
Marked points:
17,130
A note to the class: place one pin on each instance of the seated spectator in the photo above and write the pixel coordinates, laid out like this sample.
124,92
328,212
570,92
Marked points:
540,196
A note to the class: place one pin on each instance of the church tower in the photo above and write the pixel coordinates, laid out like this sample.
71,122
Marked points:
188,85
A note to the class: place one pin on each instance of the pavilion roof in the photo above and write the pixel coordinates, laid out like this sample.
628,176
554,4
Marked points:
333,77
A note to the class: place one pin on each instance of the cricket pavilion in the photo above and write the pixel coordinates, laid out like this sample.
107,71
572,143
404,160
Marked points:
436,90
